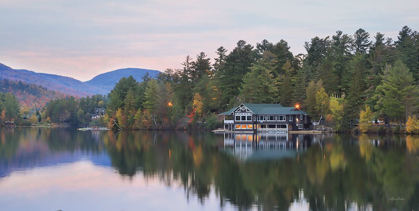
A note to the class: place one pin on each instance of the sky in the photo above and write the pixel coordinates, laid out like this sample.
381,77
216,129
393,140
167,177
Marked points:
82,39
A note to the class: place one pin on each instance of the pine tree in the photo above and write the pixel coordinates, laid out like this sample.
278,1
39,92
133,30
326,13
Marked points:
259,85
356,96
299,92
286,86
397,96
151,99
361,42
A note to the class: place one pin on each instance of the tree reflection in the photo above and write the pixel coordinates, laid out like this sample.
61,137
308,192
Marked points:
333,173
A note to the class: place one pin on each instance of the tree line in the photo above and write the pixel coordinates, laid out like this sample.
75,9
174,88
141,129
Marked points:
74,111
339,76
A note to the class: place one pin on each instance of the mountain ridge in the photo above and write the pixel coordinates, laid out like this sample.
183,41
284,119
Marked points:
100,84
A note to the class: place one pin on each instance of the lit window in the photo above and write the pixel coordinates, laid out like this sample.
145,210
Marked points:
238,126
243,127
249,126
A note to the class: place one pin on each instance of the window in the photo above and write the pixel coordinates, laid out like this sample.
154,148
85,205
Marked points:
301,117
281,118
271,126
272,118
300,126
281,126
249,118
263,126
237,118
243,127
238,126
290,118
249,126
243,118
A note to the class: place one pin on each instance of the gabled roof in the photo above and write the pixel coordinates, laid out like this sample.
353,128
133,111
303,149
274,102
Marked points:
264,109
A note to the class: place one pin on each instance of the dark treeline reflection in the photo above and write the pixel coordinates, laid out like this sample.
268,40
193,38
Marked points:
330,173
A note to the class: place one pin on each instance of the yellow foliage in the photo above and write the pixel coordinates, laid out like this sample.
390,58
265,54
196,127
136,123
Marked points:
336,113
197,103
365,118
412,124
33,119
122,119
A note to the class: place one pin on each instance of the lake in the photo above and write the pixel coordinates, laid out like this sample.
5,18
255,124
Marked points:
65,169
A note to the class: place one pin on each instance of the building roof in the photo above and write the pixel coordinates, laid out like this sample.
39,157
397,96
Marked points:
261,109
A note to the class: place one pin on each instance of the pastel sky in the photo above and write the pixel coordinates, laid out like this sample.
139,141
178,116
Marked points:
81,39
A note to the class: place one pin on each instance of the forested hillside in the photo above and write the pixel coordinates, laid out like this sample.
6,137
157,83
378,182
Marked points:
339,76
31,97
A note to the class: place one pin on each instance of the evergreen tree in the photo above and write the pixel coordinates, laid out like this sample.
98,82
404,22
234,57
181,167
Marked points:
286,86
221,57
151,98
237,64
118,94
200,67
356,95
299,92
316,51
407,46
259,85
397,96
361,42
340,56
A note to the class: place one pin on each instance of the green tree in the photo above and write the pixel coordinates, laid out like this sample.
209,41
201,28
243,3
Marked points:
299,92
310,103
259,86
361,42
151,99
118,94
286,86
397,96
356,95
237,64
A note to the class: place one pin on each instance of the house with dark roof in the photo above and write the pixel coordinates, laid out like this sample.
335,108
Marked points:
249,117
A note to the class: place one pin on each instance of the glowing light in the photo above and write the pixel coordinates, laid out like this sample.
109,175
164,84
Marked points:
170,104
297,106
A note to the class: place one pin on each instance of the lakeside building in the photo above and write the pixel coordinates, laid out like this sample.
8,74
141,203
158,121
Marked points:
249,117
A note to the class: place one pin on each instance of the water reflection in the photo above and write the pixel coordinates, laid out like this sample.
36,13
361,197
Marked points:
240,171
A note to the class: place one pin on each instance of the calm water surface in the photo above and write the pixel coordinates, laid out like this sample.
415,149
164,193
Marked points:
57,169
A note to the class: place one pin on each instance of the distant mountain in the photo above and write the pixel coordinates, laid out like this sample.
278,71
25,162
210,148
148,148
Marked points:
101,84
108,80
63,84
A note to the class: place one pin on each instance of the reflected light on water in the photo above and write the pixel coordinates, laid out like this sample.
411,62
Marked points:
84,186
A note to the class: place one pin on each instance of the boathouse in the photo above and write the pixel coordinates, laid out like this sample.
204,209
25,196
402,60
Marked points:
9,124
249,117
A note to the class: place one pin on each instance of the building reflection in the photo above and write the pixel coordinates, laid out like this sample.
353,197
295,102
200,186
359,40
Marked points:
247,146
